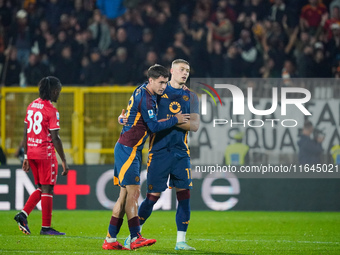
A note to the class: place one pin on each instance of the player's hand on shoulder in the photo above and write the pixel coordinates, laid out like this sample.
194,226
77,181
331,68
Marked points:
122,120
25,166
65,168
182,118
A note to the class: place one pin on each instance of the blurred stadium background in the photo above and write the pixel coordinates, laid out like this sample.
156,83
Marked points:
101,49
89,44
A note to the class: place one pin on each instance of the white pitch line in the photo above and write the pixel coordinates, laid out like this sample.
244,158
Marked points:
279,241
200,239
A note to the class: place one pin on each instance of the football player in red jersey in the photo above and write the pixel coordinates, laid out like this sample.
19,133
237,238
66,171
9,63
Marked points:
41,137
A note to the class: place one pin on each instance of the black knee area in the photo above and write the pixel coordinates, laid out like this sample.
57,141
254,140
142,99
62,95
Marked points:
183,195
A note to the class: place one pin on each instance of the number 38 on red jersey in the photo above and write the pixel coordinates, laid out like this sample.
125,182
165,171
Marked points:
41,117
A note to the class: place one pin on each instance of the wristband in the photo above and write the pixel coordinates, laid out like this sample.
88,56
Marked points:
25,156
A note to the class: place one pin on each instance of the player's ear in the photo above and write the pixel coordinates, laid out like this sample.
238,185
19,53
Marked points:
55,92
150,79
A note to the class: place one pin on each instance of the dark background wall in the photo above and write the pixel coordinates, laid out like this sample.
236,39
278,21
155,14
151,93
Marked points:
91,188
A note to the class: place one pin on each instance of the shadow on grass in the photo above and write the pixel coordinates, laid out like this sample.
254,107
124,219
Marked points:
77,237
191,252
147,251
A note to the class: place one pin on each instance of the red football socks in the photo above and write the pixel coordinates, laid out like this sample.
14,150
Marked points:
46,206
32,201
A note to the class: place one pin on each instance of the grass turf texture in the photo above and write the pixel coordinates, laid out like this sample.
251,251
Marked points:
209,232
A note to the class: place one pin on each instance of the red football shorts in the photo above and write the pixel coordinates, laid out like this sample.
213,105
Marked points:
45,171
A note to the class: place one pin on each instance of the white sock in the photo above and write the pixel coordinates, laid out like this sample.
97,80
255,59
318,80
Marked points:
181,236
140,227
111,240
24,213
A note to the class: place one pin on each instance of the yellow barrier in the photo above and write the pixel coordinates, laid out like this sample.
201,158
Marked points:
88,119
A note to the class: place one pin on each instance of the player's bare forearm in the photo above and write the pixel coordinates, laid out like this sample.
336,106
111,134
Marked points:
188,126
184,126
65,168
25,166
25,163
192,124
58,145
24,141
59,148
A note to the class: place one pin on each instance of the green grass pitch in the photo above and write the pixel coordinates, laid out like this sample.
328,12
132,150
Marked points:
209,232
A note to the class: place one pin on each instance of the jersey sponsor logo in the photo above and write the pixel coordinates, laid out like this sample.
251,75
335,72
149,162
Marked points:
165,96
174,107
185,98
57,114
151,114
34,140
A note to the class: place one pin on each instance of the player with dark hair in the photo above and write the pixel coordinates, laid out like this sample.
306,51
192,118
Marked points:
141,121
41,137
169,154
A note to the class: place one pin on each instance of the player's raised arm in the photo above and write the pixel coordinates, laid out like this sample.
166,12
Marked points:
158,78
194,122
156,126
148,110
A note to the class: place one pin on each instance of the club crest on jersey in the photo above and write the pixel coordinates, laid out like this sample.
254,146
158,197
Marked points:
57,113
185,98
151,114
174,107
137,91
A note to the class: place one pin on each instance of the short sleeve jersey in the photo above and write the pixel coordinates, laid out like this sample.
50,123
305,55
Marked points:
41,118
142,118
170,103
313,14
